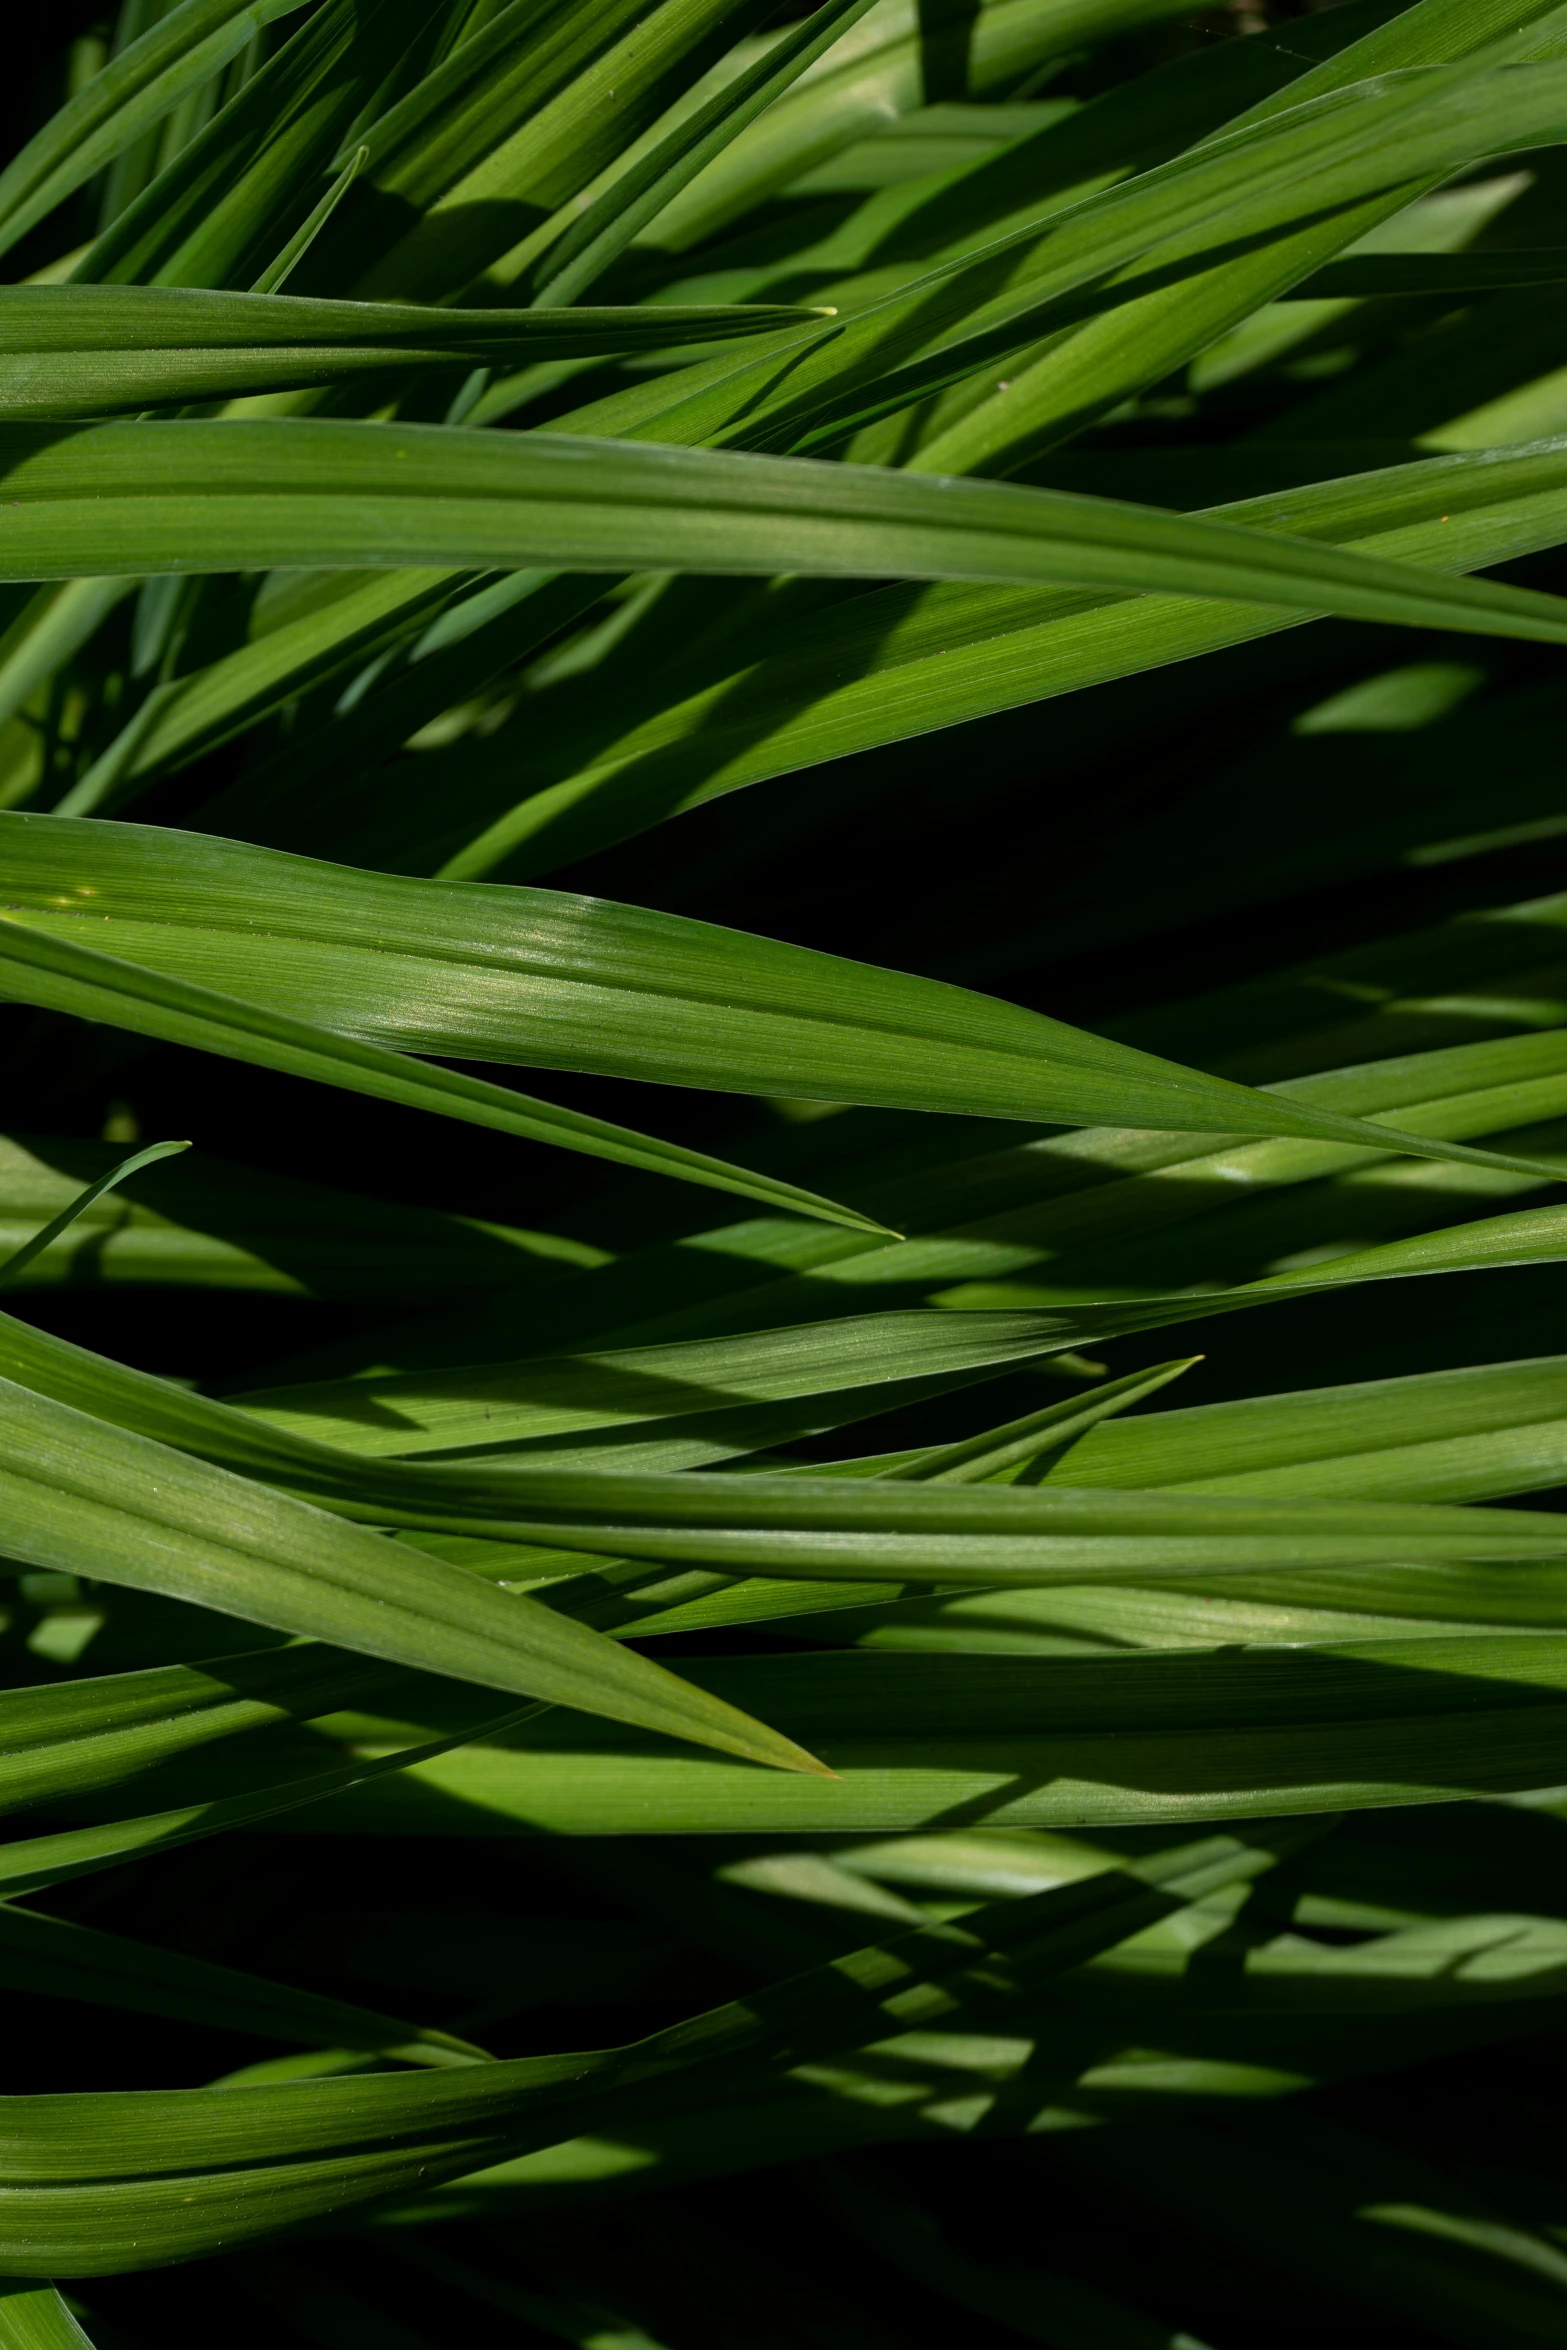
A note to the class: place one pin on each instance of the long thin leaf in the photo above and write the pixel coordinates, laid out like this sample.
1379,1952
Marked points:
529,975
193,2171
175,54
100,350
897,663
33,1863
80,1497
209,1222
639,194
1008,1742
21,1258
65,1740
1366,275
68,976
191,497
33,2317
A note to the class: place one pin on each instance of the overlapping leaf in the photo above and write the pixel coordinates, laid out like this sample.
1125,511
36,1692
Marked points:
81,1497
99,350
191,2171
530,975
413,611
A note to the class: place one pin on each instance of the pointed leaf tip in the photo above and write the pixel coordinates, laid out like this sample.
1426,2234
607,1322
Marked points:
779,1753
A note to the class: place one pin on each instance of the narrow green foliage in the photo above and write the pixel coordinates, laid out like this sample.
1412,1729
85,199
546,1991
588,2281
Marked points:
33,2317
946,620
51,1232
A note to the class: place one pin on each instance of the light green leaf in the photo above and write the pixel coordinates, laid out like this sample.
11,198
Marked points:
21,1258
506,1403
895,663
210,1223
216,496
68,976
66,1739
1259,182
1019,1443
1008,1742
875,76
1460,1435
1141,340
220,211
810,1527
635,196
529,975
841,1530
33,2317
81,1497
480,156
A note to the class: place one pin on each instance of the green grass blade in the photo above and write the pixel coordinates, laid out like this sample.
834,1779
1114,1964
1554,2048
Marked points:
67,976
33,2317
279,271
1109,1215
1020,1442
1364,276
52,626
33,1863
1465,1435
220,211
1057,1742
811,1527
67,1739
594,239
693,1004
83,1497
189,497
437,660
83,350
494,1405
18,1261
876,74
482,155
1149,337
1259,182
212,1223
175,54
917,661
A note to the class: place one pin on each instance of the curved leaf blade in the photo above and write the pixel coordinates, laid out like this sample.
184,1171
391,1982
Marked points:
303,493
566,982
21,1258
76,351
81,1497
65,976
33,2317
175,54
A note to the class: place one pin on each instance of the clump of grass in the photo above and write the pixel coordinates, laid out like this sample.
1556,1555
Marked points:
882,1668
